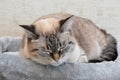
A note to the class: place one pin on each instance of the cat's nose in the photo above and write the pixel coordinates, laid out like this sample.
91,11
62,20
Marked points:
56,56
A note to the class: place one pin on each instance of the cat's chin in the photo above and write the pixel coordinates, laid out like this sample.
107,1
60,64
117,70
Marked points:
47,62
56,64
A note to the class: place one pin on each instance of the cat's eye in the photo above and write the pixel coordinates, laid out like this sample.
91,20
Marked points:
47,51
61,49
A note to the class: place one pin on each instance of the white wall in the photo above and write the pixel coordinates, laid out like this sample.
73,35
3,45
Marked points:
105,13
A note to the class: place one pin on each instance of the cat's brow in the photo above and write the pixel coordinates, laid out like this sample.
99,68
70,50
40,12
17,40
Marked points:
53,42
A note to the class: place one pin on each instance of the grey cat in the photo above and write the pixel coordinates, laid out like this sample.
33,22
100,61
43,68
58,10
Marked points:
64,38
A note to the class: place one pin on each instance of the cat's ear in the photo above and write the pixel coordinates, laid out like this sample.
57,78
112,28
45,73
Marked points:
65,25
65,20
30,29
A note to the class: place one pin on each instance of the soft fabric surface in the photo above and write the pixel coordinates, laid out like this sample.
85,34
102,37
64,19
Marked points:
13,67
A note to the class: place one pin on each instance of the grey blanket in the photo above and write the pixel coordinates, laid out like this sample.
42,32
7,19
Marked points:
14,67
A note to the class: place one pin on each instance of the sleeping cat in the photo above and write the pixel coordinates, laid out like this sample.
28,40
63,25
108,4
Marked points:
64,38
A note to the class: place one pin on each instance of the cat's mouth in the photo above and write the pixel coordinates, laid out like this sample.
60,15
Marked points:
56,60
59,60
56,63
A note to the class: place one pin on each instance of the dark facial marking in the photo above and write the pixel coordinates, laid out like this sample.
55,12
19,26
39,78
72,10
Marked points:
53,43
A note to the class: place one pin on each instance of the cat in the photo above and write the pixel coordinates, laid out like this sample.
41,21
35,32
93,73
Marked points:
60,38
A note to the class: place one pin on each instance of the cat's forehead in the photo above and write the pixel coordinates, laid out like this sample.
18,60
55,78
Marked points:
48,25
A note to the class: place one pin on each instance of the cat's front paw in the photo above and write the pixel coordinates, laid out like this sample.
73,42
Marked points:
83,59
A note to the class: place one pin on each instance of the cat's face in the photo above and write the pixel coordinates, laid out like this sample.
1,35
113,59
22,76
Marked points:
54,48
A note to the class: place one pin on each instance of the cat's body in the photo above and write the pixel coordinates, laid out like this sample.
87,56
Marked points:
81,40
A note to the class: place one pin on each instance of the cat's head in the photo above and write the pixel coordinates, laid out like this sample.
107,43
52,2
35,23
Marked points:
51,40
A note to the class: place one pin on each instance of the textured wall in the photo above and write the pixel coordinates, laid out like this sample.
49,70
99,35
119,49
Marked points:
105,13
